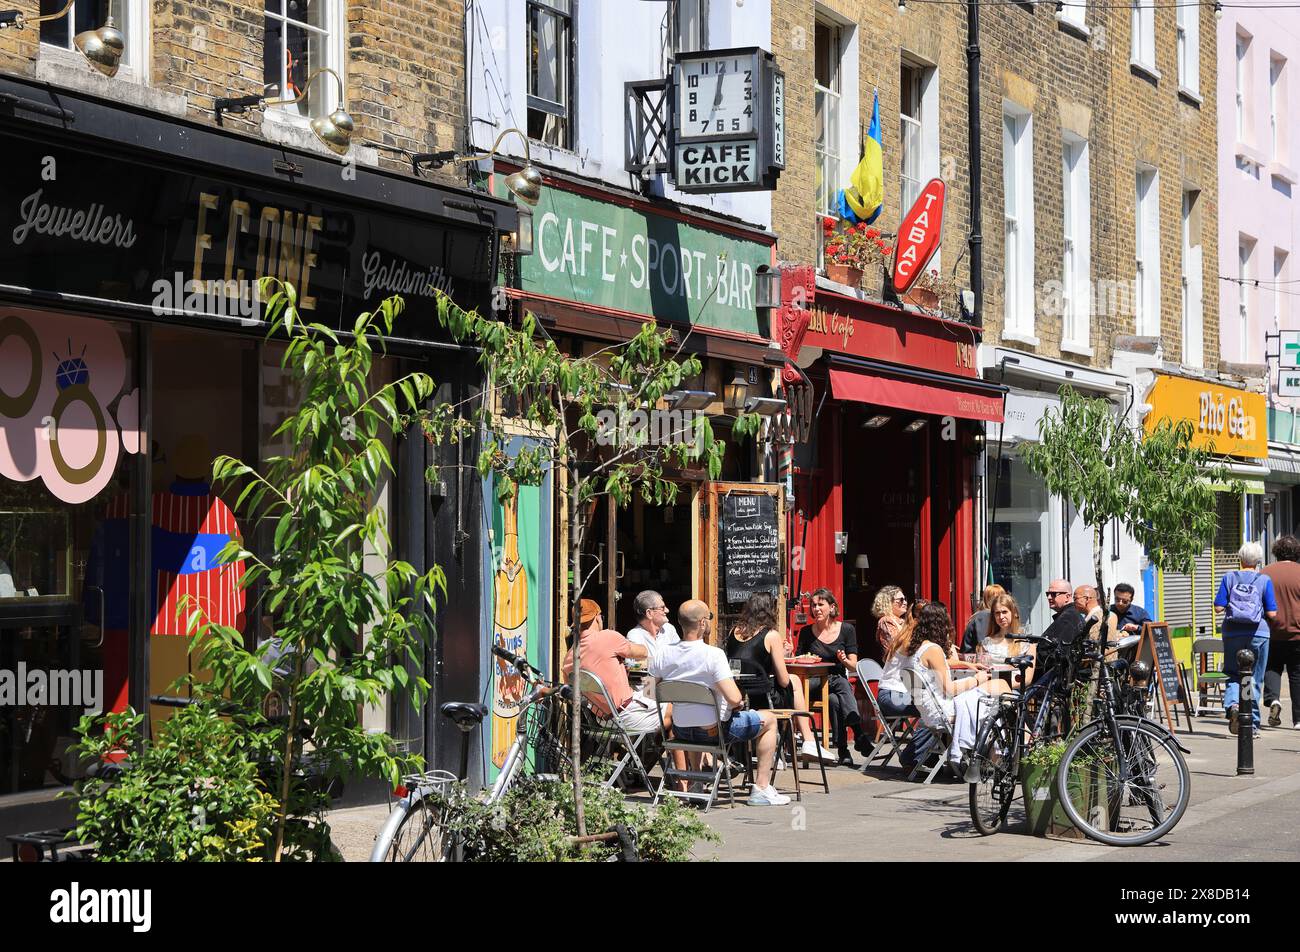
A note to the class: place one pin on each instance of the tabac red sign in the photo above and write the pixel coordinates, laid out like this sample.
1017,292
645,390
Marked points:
918,235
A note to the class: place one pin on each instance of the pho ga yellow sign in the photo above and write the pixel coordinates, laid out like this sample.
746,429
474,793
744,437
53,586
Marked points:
1226,421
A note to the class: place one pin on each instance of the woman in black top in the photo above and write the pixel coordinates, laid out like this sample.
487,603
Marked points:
829,639
757,644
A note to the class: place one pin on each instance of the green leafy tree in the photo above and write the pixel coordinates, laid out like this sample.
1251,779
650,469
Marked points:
346,617
593,416
1156,485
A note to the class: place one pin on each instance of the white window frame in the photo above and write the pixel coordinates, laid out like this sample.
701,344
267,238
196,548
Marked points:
826,144
1076,263
1018,222
136,30
844,135
1277,107
1281,257
1244,125
323,96
1074,13
1142,50
691,30
566,110
1245,265
1188,26
1192,303
1146,215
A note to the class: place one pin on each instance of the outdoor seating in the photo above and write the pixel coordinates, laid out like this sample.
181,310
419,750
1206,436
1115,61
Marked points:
1210,679
607,733
687,692
894,731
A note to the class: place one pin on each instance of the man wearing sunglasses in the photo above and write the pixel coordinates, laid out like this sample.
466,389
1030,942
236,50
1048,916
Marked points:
1067,620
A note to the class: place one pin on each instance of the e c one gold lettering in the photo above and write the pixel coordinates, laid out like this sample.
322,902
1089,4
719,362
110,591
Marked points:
286,243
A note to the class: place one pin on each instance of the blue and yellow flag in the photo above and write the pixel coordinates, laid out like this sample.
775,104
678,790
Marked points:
865,196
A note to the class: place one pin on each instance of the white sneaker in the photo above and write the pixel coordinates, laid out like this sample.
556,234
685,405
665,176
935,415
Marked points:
1275,714
810,750
767,797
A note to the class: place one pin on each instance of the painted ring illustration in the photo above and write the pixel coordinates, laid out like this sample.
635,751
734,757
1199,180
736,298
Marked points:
17,407
78,393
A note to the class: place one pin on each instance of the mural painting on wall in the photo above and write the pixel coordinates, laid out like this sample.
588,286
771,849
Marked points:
510,627
59,380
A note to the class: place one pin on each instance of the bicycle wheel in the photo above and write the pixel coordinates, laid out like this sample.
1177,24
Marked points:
413,834
993,761
1124,789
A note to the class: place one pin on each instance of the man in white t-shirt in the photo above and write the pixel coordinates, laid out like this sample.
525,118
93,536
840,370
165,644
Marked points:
693,659
653,630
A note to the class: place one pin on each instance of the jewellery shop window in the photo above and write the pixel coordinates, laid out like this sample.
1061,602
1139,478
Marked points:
69,454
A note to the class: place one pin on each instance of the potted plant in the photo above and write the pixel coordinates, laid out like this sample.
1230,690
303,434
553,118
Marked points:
852,250
1038,779
931,292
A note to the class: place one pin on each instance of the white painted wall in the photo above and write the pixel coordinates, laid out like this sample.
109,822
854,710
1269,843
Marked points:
618,41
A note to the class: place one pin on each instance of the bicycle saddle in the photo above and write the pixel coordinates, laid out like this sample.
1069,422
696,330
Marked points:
1021,661
464,714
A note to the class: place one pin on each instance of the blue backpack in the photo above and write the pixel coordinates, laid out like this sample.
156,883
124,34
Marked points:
1245,599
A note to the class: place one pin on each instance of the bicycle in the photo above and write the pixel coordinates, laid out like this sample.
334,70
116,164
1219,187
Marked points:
1122,779
415,830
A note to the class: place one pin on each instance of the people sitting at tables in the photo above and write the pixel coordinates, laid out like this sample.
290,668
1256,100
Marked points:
956,703
977,625
829,639
890,609
603,652
1129,618
653,629
1094,616
693,659
1000,641
757,644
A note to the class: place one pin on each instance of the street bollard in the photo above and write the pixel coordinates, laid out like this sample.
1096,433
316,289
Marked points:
1246,713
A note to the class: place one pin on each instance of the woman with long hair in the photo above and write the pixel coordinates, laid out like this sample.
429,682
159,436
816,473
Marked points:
940,699
829,639
890,609
1000,641
757,644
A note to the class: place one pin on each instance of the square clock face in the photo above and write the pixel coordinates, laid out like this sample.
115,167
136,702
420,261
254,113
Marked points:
716,96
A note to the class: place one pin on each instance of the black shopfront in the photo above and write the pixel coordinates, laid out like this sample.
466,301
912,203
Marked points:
132,353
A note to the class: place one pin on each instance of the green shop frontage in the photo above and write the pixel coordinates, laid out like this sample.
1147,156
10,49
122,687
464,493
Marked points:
602,263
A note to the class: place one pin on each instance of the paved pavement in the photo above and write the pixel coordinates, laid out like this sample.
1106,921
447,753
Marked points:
885,817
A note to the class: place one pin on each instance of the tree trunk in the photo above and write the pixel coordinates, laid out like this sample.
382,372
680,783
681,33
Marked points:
290,757
576,536
1099,546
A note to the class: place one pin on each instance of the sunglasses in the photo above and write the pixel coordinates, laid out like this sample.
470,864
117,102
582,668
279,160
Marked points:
900,598
1054,594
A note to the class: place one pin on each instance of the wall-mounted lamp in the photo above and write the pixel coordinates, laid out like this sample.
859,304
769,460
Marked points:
521,241
690,399
915,425
764,406
525,185
875,423
1218,11
734,393
334,130
861,563
767,287
102,47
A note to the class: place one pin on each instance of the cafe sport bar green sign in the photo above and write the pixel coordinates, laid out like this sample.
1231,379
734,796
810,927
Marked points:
608,255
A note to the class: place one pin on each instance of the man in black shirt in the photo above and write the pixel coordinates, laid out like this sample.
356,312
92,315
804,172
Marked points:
1067,620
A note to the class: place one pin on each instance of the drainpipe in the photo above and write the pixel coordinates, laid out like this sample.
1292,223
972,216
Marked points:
973,122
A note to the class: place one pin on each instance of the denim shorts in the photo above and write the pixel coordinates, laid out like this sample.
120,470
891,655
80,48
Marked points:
744,725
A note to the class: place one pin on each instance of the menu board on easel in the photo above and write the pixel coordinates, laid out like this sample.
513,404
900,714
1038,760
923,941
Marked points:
1157,650
751,557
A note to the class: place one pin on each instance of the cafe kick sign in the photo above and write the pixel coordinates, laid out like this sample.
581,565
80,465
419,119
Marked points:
918,236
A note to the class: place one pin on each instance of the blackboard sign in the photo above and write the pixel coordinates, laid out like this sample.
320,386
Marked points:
750,557
1157,650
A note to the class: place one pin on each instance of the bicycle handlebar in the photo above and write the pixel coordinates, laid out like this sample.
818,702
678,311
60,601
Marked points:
520,664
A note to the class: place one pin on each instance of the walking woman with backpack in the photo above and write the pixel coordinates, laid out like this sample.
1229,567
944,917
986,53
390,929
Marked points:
1248,604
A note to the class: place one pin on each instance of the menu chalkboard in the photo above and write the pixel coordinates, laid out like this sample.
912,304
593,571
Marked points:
750,556
1157,650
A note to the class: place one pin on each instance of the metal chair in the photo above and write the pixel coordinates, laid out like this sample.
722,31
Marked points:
608,731
934,759
894,731
1210,679
687,692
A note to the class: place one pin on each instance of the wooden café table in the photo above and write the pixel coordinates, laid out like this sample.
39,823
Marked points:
807,670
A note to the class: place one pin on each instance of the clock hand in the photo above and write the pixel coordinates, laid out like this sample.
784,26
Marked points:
717,97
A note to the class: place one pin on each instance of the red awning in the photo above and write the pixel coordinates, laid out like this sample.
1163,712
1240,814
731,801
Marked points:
956,399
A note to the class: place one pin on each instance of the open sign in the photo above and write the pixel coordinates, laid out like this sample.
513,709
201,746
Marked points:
918,235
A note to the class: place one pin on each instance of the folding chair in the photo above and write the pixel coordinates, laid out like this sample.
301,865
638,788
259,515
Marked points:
608,731
894,731
1210,679
687,692
938,751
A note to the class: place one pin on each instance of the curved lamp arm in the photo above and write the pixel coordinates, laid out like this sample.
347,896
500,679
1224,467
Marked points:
528,155
305,89
21,21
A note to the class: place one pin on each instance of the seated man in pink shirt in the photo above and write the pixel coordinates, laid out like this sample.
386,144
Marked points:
603,652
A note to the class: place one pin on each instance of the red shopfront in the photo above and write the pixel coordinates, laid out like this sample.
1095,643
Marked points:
883,485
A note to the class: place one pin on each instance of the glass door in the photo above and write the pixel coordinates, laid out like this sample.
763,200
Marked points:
70,445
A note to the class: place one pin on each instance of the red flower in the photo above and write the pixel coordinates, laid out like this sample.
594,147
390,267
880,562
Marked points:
873,233
828,225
